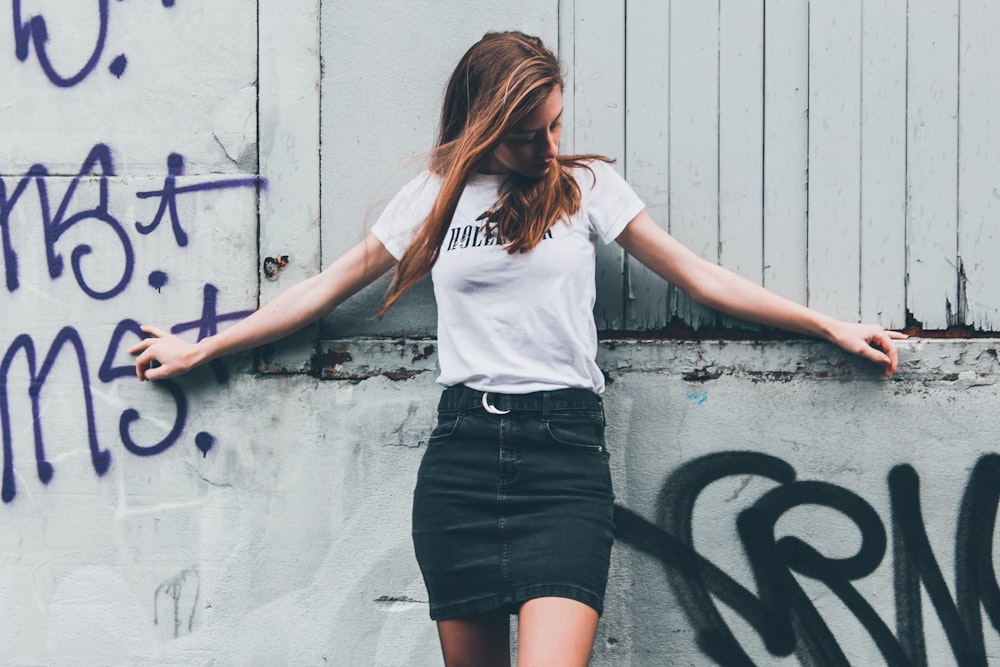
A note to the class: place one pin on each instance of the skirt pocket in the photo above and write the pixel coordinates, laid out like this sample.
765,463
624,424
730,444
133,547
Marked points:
584,431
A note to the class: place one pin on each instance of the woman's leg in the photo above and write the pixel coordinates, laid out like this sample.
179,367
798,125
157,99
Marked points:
479,641
555,632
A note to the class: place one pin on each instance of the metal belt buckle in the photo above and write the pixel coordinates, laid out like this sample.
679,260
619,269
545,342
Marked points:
489,408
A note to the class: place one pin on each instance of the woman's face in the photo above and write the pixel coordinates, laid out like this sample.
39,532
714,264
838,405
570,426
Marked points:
530,147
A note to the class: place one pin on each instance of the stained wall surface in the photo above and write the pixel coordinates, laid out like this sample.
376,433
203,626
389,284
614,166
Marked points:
173,163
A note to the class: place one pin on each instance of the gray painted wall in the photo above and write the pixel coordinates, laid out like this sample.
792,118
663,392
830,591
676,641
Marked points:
775,498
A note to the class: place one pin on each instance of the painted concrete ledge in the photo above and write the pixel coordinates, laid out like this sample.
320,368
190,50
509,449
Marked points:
965,362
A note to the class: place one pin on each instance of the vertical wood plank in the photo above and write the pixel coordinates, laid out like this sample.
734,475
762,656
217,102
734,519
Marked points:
932,162
883,163
694,138
786,145
979,157
648,144
741,140
288,102
834,157
566,10
599,107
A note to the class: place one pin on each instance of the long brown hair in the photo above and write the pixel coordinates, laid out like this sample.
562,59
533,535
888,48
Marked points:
501,79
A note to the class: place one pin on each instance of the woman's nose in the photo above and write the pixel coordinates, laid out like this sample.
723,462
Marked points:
551,144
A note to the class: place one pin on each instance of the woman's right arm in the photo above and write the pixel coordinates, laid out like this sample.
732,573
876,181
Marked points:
302,303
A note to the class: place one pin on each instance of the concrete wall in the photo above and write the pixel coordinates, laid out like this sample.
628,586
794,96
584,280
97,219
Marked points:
775,499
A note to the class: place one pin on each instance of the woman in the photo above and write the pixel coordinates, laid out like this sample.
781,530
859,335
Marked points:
512,509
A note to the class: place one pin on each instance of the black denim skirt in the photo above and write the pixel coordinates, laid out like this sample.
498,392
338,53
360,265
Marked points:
514,506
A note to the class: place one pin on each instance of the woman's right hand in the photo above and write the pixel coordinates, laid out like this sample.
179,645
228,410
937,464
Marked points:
171,355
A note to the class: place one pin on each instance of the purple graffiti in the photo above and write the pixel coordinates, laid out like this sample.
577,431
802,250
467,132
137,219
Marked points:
168,196
118,65
204,441
157,280
99,162
107,372
101,459
33,32
57,218
208,325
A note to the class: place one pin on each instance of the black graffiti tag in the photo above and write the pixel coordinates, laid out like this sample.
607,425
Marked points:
780,611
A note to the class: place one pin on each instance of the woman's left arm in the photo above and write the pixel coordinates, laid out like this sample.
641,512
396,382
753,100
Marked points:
716,287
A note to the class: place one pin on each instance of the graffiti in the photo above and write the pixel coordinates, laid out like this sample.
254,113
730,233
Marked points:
173,590
781,613
98,163
168,196
108,372
56,220
32,32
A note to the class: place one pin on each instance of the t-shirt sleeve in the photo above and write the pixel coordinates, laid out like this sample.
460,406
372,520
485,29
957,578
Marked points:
404,214
611,202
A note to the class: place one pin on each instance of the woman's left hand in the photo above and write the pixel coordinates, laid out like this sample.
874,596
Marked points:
871,342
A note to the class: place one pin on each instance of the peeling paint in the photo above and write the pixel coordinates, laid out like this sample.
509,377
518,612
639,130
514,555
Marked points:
393,603
272,266
702,375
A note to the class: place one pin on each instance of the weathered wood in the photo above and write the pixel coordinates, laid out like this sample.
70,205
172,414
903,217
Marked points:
932,162
599,101
694,137
979,158
648,144
786,142
741,140
834,157
289,115
883,163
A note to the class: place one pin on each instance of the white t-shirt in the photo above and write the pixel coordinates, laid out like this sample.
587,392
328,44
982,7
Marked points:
523,322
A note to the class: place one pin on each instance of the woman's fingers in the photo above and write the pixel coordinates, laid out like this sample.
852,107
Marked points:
882,339
159,333
151,351
155,332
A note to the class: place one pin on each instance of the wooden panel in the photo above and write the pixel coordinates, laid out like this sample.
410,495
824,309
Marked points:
786,145
741,140
979,157
289,120
381,108
932,161
834,157
648,143
599,107
883,163
694,137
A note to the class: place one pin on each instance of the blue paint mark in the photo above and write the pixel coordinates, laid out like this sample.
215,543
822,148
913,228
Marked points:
168,3
697,396
204,441
118,66
157,279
